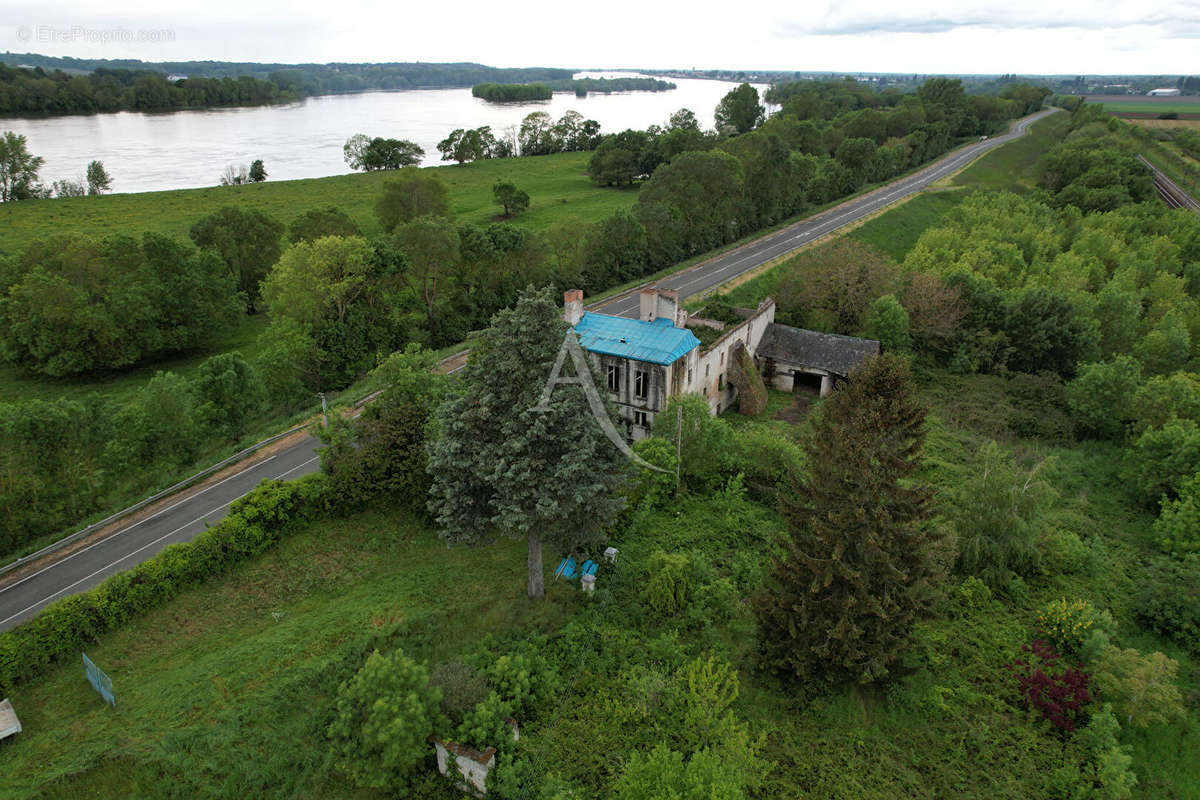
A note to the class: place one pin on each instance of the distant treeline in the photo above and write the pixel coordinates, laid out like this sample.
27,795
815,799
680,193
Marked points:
604,85
512,92
56,85
525,92
35,91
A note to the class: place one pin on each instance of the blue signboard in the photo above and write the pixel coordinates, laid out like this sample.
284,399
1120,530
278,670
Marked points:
99,680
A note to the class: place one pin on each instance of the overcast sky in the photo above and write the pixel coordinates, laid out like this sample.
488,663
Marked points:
1064,37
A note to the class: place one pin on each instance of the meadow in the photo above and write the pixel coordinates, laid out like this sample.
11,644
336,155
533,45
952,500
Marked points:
558,188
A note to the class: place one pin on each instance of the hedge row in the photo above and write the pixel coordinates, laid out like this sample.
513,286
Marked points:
255,523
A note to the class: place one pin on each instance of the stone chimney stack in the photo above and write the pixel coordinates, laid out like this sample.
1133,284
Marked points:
573,306
655,303
648,304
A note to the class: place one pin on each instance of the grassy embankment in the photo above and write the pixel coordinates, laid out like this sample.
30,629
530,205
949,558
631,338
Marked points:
1011,167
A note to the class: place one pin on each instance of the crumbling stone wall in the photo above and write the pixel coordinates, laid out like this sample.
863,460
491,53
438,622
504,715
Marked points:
752,393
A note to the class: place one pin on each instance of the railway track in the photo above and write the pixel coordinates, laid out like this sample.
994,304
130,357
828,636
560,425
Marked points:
1169,192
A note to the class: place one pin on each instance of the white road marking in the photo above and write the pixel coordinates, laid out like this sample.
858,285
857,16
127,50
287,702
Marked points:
128,528
48,598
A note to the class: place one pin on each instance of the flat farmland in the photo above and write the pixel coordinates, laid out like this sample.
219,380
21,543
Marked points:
1135,106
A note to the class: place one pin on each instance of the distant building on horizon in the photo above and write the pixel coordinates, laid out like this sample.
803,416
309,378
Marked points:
1164,93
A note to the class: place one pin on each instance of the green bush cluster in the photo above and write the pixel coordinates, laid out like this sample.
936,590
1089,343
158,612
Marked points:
1067,624
1168,601
255,523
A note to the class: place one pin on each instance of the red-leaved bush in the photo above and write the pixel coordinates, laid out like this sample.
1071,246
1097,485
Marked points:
1058,692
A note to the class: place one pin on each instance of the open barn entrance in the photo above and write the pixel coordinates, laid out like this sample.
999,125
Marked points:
806,383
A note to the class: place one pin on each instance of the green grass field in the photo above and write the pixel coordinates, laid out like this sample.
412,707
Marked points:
558,188
1013,167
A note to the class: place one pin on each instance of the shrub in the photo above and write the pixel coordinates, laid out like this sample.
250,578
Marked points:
1169,601
670,585
462,687
1178,527
384,716
969,597
520,680
1141,687
1067,623
485,725
1057,693
999,513
1067,553
1162,459
1102,396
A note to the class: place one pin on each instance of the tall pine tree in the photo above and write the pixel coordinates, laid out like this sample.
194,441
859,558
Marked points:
856,567
501,466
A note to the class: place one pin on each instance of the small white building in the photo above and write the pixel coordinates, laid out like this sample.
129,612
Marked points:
1164,93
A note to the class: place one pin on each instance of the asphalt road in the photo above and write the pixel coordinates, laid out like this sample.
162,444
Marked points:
22,597
718,270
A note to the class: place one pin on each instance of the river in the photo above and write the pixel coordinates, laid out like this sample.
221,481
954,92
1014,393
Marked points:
189,149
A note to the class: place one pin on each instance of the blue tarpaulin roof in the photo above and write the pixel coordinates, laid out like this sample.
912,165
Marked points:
658,342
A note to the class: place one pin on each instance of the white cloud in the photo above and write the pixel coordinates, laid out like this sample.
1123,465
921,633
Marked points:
836,35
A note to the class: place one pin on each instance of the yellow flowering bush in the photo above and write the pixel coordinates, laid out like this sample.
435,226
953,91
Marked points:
1068,623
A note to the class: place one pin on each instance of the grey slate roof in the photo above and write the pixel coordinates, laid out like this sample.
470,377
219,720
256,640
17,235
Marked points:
803,348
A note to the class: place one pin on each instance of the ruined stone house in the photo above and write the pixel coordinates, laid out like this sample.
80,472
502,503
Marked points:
643,362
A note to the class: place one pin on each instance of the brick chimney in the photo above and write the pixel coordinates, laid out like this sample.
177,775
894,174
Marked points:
573,306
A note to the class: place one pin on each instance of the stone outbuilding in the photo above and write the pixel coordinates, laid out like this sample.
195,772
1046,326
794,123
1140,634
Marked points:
794,358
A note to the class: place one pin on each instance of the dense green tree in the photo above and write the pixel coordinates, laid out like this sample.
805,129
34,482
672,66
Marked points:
513,200
706,189
1046,332
18,168
369,155
613,251
383,717
1162,459
227,394
887,322
613,164
771,186
258,173
383,451
432,245
1102,396
333,291
536,135
1161,399
502,465
98,179
318,222
856,568
413,193
739,111
1178,526
80,304
314,281
468,145
247,240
